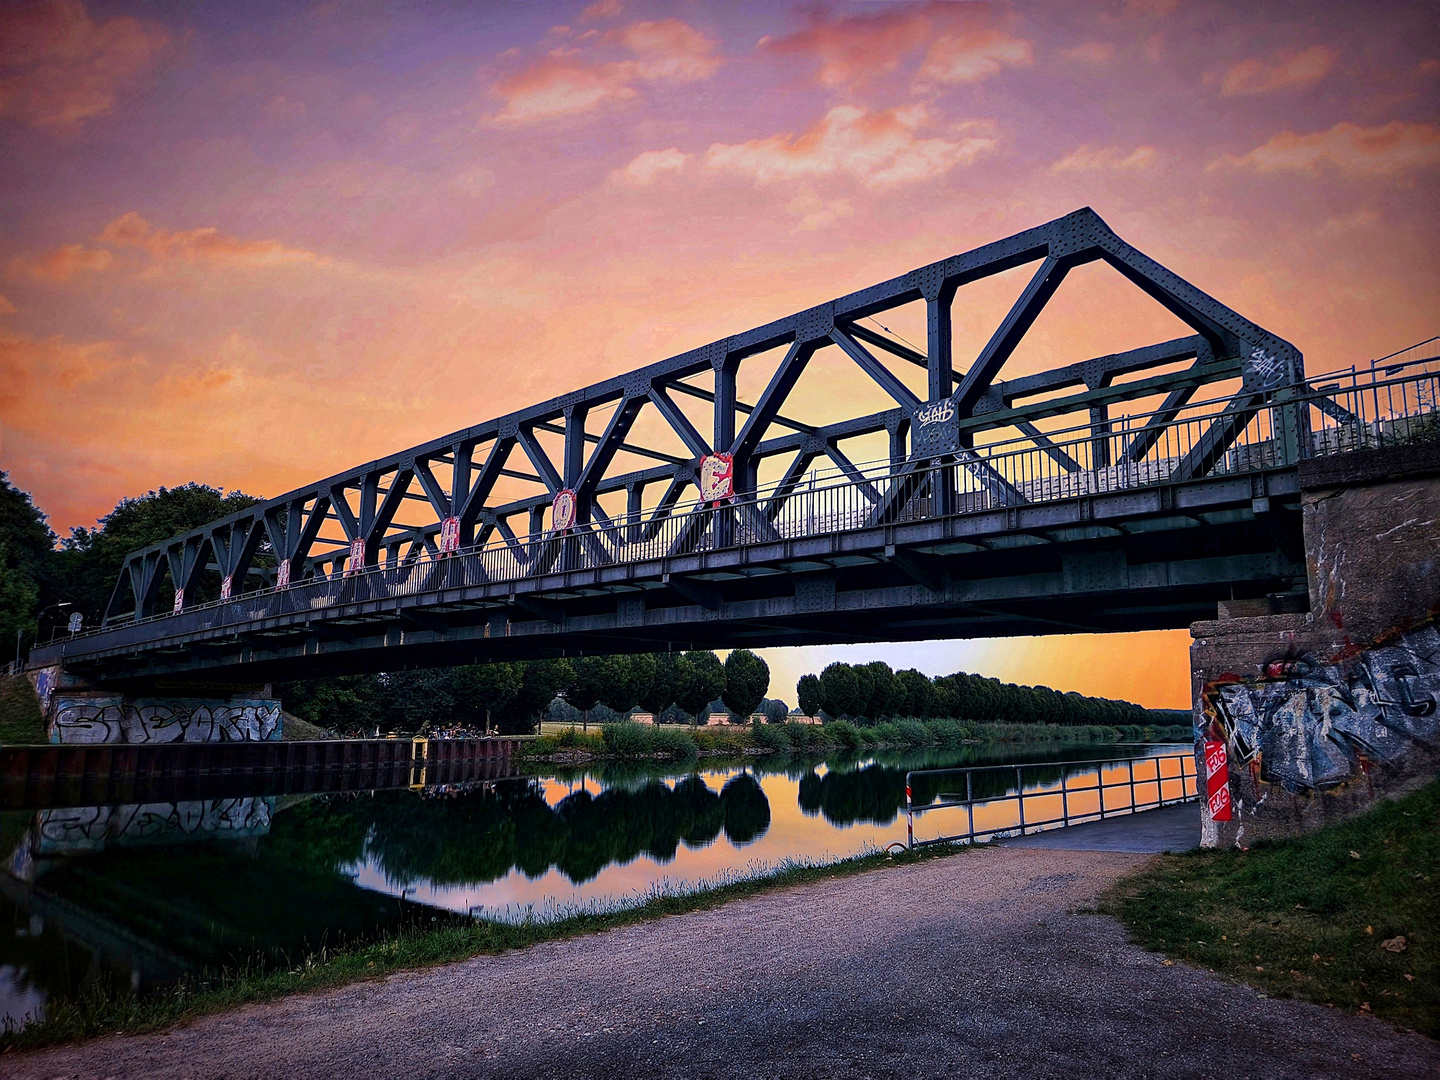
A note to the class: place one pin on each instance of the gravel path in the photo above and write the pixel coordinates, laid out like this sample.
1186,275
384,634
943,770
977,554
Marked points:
968,965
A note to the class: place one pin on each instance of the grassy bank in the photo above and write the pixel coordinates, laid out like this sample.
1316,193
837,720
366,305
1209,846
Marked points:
100,1012
20,720
1310,917
629,740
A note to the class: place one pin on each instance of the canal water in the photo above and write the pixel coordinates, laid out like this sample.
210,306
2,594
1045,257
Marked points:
138,896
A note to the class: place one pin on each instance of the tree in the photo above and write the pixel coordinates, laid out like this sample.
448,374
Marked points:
488,688
807,691
840,690
708,683
540,682
747,678
590,681
674,677
91,560
918,694
883,695
26,566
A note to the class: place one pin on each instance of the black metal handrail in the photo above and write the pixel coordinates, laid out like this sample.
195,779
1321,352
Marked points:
1134,452
1186,776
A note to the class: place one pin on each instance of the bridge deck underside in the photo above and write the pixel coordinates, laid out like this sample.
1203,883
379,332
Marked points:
1135,560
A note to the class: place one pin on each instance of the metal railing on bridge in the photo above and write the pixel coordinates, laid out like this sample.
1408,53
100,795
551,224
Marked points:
1084,791
1389,405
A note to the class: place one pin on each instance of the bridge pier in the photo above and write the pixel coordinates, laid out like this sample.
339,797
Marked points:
1323,712
78,712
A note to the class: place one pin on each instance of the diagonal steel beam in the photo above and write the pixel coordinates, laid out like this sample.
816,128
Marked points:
1002,343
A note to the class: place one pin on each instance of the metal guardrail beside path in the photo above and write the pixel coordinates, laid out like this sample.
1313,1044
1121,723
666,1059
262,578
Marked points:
1146,791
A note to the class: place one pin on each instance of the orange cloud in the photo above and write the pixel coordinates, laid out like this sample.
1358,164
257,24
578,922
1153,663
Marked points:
27,364
565,83
59,67
961,44
63,263
194,245
1393,148
881,150
1087,159
6,307
1261,77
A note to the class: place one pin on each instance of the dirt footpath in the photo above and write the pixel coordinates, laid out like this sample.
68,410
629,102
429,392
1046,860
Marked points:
971,965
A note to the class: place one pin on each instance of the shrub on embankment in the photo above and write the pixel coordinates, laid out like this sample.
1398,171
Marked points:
628,739
1347,916
20,718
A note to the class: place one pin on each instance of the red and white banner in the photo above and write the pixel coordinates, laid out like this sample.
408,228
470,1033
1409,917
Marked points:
449,535
1217,780
282,574
179,602
357,557
562,511
717,477
225,588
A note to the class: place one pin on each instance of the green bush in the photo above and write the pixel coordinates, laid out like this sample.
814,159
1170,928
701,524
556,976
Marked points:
624,738
673,742
773,737
843,733
723,740
912,732
887,732
947,732
804,736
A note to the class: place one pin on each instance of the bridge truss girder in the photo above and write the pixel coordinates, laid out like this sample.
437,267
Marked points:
282,537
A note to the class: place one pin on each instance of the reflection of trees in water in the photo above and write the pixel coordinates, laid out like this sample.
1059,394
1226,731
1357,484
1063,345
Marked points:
480,836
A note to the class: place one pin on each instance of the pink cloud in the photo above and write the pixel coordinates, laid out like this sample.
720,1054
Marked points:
59,67
63,263
601,9
960,41
566,82
1094,159
6,307
1295,70
1090,52
652,163
203,244
1378,151
880,150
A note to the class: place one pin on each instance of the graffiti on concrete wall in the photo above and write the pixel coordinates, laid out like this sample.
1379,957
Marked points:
1309,725
115,720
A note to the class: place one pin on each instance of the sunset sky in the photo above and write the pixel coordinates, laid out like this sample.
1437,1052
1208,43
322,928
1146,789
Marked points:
255,244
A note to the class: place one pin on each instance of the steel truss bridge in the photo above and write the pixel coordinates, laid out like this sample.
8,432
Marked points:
1122,492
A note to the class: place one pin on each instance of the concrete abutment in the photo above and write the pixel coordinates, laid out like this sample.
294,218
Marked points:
1324,712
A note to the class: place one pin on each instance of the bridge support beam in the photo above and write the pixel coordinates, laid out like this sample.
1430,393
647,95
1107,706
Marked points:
76,712
1322,712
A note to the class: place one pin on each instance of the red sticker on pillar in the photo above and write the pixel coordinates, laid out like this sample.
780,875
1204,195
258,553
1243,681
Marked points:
449,535
179,602
357,557
282,574
562,511
717,477
1217,780
225,588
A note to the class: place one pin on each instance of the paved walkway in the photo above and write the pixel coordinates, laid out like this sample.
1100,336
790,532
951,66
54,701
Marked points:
1170,828
971,965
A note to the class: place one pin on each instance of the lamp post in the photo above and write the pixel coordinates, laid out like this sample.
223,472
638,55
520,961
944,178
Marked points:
40,618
